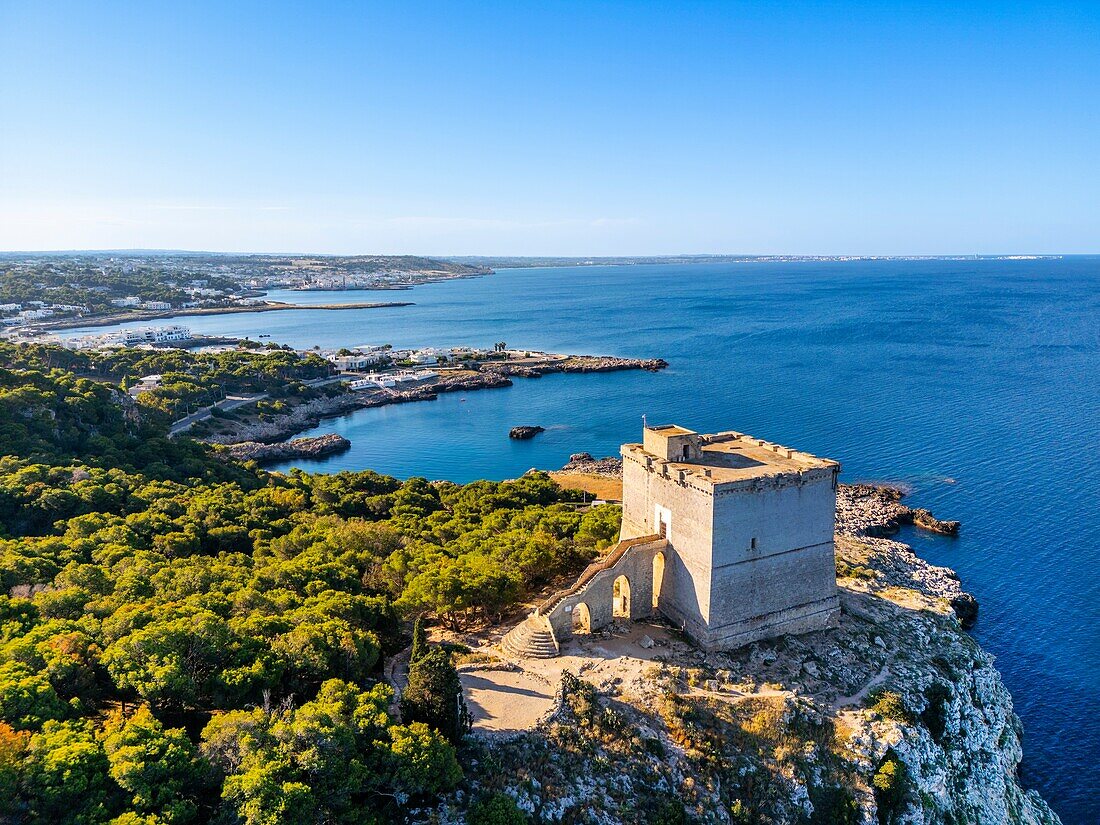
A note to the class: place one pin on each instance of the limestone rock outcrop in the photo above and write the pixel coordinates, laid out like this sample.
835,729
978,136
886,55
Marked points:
609,466
317,447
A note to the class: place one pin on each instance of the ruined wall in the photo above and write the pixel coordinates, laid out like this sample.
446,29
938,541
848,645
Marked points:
597,595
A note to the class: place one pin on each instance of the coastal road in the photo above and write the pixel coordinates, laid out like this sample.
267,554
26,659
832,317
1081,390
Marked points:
231,402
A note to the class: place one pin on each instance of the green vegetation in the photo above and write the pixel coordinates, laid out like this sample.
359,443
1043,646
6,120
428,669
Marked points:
94,285
497,809
434,695
890,784
890,705
934,716
185,640
189,380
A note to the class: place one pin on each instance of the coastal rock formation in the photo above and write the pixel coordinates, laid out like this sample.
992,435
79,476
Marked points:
317,447
893,716
867,511
483,377
881,504
302,417
927,521
574,363
525,433
584,463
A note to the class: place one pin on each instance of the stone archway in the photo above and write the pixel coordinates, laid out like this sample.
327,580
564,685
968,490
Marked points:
620,598
582,620
658,578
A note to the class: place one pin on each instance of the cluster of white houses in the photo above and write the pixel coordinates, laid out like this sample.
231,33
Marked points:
368,357
16,314
135,337
375,380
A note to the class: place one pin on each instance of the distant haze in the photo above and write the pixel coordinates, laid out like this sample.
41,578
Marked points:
564,129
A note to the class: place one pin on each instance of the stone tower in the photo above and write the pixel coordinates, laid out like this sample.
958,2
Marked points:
749,528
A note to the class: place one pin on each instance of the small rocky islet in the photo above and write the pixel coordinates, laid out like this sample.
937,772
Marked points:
524,433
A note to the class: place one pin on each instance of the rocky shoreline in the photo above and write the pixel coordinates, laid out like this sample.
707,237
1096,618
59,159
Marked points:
489,376
316,447
884,501
609,466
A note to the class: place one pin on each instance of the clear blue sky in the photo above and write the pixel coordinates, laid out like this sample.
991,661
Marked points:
588,128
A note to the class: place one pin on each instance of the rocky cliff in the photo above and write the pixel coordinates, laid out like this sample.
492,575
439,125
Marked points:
894,716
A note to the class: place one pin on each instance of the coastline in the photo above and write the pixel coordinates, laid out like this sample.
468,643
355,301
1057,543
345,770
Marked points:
490,375
109,320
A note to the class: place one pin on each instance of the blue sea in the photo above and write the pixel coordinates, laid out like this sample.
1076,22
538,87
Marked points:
976,382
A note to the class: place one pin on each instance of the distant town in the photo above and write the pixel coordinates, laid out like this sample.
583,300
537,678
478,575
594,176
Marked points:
44,291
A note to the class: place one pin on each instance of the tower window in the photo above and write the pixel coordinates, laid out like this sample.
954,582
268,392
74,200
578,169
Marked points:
752,543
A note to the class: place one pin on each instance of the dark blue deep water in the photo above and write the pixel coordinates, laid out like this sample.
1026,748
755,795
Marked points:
977,382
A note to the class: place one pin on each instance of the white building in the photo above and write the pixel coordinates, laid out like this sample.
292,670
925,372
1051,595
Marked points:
392,379
129,301
132,337
34,314
145,384
373,382
155,305
355,362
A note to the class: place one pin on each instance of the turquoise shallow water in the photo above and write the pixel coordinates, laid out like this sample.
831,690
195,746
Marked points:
978,382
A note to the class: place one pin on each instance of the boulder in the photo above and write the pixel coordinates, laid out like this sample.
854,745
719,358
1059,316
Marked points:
926,521
966,608
523,433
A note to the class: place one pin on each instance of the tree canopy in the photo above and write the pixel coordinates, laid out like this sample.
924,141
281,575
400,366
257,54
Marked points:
184,639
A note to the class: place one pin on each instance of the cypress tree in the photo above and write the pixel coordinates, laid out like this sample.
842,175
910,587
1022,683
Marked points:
420,640
434,695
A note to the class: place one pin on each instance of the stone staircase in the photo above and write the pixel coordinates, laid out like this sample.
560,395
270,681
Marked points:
533,638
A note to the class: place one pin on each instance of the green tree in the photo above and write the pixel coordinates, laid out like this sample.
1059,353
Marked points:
423,761
66,775
496,809
159,769
890,785
27,699
434,695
